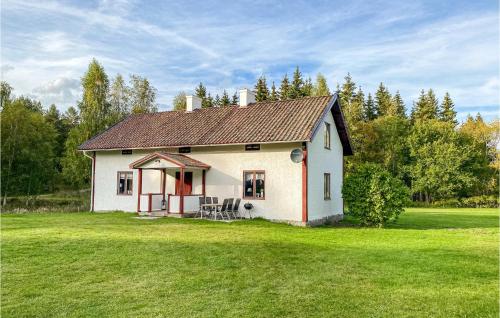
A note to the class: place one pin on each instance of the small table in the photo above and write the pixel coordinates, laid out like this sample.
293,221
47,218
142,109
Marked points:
211,205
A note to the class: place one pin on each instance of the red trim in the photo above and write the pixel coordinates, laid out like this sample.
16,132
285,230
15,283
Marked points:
139,191
93,180
304,188
150,202
163,182
203,180
181,193
167,158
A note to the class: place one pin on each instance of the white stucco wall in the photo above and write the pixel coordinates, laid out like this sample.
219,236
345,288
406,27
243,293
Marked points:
320,161
224,179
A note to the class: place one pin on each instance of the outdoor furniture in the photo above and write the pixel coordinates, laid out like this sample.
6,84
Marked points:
248,207
222,210
235,210
229,208
212,207
200,210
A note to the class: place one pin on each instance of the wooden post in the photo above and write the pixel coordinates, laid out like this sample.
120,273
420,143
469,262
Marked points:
203,179
139,190
181,192
150,202
304,188
163,182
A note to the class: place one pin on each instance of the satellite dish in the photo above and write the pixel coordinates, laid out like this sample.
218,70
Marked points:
297,155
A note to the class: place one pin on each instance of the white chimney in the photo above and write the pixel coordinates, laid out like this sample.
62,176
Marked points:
192,103
246,97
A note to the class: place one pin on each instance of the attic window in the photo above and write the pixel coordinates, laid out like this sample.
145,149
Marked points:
127,152
252,147
185,150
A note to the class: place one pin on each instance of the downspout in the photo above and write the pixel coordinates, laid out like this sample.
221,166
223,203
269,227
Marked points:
92,190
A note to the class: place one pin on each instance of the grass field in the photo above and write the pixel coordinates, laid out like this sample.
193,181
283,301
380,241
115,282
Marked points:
432,263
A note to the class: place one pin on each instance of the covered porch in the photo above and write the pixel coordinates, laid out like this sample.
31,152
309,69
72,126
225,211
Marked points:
182,183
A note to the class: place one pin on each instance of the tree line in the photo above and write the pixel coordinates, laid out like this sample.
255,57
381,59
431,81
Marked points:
426,148
39,146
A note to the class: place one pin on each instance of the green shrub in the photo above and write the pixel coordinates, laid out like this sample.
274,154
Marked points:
482,201
373,195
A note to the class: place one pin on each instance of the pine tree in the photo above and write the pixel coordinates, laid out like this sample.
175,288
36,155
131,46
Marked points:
398,107
261,90
201,92
356,111
307,89
369,109
426,107
447,111
320,87
285,88
210,101
297,85
346,92
225,101
217,102
274,96
383,100
235,98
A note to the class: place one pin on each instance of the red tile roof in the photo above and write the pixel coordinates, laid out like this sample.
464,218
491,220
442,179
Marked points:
262,122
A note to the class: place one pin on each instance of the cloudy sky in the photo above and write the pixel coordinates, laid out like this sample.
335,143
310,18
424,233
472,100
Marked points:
409,45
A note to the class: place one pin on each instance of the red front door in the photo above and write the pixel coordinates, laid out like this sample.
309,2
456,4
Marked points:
188,183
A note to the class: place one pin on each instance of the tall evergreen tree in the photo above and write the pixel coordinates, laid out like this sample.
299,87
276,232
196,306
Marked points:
217,102
71,117
296,89
383,100
225,101
397,107
54,118
426,107
447,111
273,96
285,88
210,101
201,92
369,108
307,89
356,111
346,94
261,90
235,99
321,86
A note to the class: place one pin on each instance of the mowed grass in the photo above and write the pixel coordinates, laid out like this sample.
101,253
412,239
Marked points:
432,263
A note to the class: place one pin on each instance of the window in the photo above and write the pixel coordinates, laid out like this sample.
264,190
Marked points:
327,135
253,185
127,152
184,149
326,186
252,147
124,186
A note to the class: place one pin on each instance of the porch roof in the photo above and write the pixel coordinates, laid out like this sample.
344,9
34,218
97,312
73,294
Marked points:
175,159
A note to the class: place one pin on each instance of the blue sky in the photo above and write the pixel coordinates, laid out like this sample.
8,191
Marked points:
409,45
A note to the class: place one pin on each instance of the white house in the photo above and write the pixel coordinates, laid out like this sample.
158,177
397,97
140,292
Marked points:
241,151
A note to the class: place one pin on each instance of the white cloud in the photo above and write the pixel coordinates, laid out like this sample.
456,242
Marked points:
61,91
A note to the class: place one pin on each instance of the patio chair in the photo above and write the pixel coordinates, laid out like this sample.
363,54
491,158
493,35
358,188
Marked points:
200,210
229,208
208,210
236,209
223,209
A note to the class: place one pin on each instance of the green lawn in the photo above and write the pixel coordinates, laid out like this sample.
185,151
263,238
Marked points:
432,263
